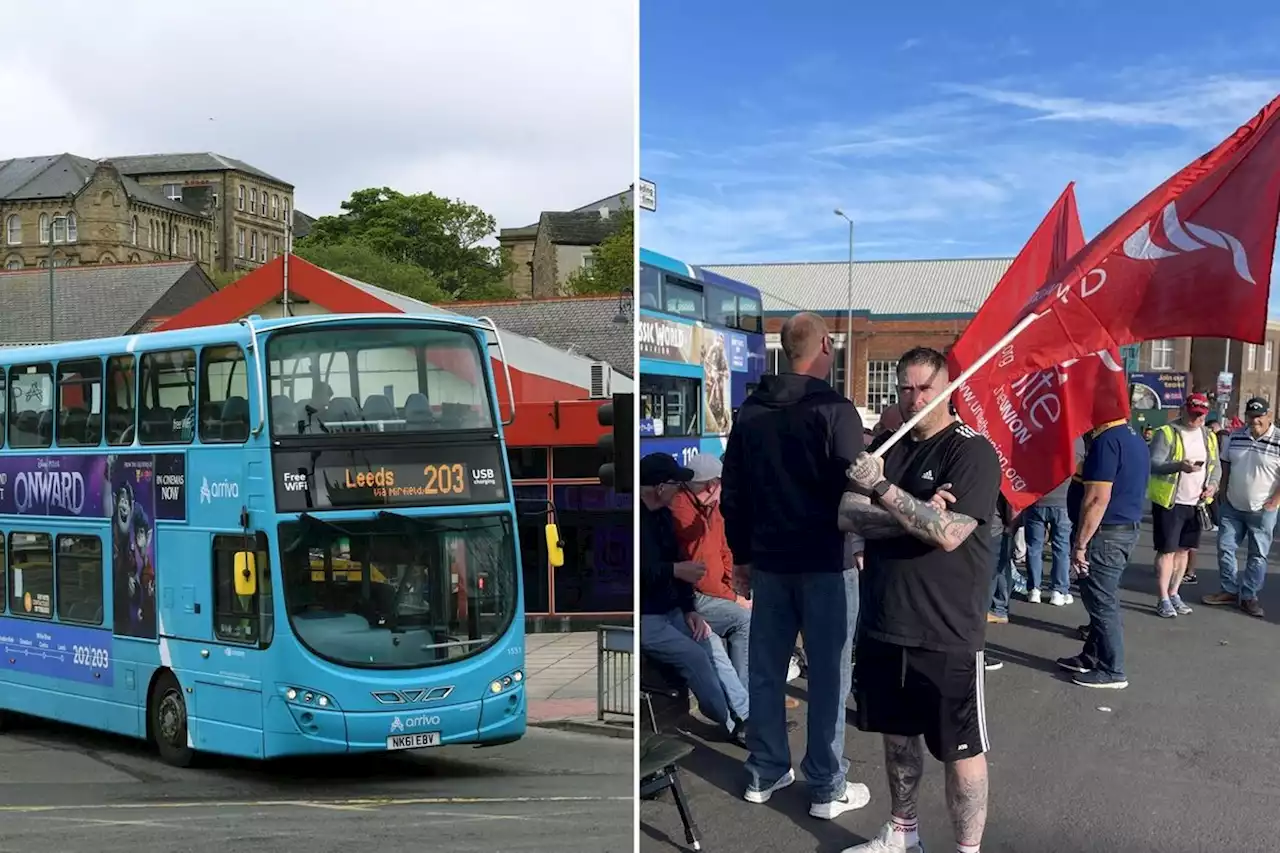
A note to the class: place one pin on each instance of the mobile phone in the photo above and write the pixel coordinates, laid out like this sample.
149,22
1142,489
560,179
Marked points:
1199,463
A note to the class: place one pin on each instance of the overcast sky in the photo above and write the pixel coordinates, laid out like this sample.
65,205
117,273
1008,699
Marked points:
517,107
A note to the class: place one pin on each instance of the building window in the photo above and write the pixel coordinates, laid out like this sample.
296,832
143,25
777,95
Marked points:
1162,354
253,246
1267,357
173,192
882,385
285,212
253,202
240,198
44,228
240,242
133,231
14,229
59,228
14,263
190,245
1251,354
151,234
275,206
73,231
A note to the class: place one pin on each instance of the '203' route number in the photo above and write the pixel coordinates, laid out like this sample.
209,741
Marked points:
90,657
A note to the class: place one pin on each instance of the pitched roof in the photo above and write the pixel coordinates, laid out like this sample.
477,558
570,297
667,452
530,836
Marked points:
301,224
951,286
90,301
155,164
579,229
581,324
60,175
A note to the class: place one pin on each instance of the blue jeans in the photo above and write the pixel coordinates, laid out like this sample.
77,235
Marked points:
667,639
1108,555
1234,525
1054,519
731,622
1002,575
824,606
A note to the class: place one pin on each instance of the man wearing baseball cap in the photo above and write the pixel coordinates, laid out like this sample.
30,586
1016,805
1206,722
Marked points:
1251,498
1184,475
671,630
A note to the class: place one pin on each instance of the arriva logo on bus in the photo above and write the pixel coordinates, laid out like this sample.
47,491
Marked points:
218,489
409,723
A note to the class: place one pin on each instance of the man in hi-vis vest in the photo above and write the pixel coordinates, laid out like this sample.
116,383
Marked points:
1184,474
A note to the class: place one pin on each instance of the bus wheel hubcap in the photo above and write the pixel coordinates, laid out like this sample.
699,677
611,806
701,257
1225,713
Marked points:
171,715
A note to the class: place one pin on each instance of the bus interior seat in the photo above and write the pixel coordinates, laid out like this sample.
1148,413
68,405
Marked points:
157,425
235,419
25,426
284,416
417,412
454,415
44,427
93,428
378,408
343,415
118,422
74,428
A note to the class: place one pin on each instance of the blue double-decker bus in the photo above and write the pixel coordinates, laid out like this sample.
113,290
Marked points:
260,539
701,338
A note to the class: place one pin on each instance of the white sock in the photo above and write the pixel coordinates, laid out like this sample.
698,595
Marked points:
908,829
968,848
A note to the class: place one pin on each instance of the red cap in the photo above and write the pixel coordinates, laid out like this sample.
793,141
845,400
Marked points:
1197,404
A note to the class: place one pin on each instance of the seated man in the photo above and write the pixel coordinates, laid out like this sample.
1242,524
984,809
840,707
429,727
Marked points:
671,630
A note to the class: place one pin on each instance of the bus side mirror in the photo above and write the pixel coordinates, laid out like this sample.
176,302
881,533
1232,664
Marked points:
246,572
555,547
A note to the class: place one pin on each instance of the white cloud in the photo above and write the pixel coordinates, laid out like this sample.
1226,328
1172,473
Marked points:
502,104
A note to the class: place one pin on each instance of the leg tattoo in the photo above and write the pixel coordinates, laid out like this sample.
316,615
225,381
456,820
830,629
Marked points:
967,798
904,764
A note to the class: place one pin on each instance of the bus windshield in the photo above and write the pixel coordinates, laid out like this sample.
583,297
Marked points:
377,379
399,591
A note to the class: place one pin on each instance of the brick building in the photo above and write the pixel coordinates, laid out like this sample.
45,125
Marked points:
546,253
901,304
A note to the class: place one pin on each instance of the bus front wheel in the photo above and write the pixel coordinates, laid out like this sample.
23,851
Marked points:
168,712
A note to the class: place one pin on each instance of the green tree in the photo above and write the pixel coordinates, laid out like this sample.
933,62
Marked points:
440,236
613,269
363,263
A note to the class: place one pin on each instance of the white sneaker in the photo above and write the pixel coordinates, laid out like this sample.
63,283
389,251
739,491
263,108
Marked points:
1059,599
1033,596
856,795
887,841
793,669
762,795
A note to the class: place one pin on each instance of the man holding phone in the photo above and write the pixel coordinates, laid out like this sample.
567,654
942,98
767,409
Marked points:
1184,475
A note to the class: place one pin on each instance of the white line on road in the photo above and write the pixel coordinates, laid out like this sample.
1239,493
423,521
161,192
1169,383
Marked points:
355,804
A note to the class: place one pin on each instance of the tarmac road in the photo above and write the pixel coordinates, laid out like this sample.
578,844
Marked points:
65,790
1183,761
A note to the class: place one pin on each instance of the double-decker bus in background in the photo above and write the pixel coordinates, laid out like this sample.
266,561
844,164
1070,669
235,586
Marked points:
265,538
702,351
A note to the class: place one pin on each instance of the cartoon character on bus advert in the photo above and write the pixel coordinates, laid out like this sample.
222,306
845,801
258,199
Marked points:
133,546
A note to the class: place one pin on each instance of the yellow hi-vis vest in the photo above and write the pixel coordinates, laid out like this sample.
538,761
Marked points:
1161,487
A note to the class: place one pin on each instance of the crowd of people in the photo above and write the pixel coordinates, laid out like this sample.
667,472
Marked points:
891,567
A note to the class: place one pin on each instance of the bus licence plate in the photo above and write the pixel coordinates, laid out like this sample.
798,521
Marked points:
417,740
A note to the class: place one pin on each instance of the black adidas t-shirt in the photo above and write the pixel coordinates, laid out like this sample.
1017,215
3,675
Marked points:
914,594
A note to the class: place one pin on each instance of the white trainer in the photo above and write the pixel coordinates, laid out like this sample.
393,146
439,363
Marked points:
1059,599
1033,596
856,795
793,669
887,841
762,795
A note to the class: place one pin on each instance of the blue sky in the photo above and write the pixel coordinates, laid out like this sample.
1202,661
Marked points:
944,129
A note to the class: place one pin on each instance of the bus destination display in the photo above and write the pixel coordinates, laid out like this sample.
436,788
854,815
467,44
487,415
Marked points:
354,479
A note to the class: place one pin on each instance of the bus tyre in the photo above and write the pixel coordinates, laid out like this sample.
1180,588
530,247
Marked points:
4,720
168,718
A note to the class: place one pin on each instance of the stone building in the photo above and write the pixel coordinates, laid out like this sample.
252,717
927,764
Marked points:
546,253
84,212
249,208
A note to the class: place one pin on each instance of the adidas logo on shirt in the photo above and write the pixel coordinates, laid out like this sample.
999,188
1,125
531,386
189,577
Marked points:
927,475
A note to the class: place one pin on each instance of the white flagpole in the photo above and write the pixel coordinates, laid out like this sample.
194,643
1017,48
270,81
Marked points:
956,383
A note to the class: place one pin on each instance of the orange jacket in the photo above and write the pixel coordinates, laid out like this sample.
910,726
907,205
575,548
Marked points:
700,532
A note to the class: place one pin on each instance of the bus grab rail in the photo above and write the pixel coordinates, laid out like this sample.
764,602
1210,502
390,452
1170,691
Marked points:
506,367
262,366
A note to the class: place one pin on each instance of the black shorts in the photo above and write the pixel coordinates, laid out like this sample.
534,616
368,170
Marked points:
1175,528
912,692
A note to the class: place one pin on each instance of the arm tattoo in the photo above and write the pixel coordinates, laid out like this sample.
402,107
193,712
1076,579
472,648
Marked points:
904,764
938,527
857,515
967,801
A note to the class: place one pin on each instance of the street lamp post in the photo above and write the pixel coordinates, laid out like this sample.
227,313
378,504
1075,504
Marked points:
53,226
848,329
